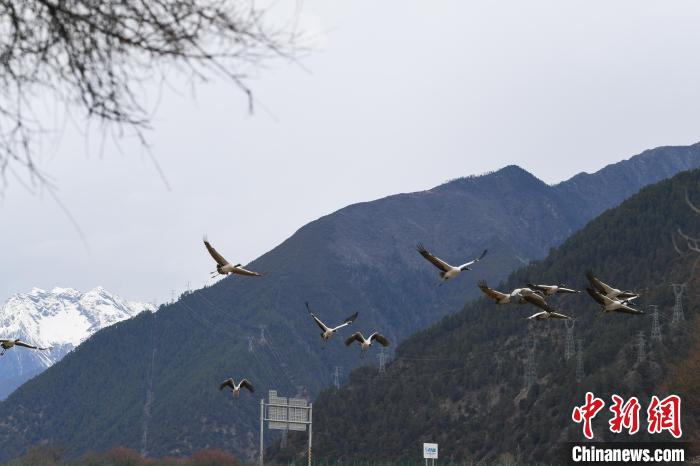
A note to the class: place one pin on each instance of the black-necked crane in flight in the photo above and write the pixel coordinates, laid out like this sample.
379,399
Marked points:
518,295
7,344
365,343
447,271
612,305
223,266
547,311
550,290
522,296
609,291
236,388
327,332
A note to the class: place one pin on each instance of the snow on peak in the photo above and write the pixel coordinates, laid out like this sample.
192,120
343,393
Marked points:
60,320
63,315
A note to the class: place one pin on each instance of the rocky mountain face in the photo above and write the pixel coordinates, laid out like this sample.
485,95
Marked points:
60,320
158,373
488,373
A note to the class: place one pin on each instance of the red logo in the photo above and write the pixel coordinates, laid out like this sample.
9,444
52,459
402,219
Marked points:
665,415
587,412
624,415
662,415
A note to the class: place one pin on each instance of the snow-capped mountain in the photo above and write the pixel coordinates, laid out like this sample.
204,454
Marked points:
60,320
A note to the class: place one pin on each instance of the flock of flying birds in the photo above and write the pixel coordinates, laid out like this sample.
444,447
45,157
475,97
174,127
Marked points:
610,299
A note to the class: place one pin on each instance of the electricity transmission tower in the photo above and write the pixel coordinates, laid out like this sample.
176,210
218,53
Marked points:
382,360
678,290
262,340
530,369
641,350
336,377
579,360
655,325
569,347
251,346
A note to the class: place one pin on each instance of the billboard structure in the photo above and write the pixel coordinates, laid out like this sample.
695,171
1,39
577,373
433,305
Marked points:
282,413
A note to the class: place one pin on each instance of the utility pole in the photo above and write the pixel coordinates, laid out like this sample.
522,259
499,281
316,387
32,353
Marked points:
678,290
579,360
336,377
569,346
382,360
641,350
655,325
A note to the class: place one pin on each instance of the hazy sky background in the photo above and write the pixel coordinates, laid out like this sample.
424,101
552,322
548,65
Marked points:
403,96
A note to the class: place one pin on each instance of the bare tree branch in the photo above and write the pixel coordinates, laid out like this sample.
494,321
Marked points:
93,55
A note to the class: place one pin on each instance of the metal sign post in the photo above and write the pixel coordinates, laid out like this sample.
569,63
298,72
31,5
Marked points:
285,414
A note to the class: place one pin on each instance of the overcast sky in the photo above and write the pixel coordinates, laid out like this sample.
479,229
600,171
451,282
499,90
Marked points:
402,96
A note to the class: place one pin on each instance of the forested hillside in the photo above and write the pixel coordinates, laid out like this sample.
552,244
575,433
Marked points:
461,383
151,383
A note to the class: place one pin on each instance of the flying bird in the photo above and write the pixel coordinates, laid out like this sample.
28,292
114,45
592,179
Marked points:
609,291
500,298
447,271
366,342
223,266
536,299
544,315
518,295
236,388
7,344
329,331
612,305
550,290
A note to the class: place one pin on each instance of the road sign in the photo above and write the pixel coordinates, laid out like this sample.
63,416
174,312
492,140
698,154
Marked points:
430,451
287,414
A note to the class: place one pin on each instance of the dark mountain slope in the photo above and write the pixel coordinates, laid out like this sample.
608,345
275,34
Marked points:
360,258
461,382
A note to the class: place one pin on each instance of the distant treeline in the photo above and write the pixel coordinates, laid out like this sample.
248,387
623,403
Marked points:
47,456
